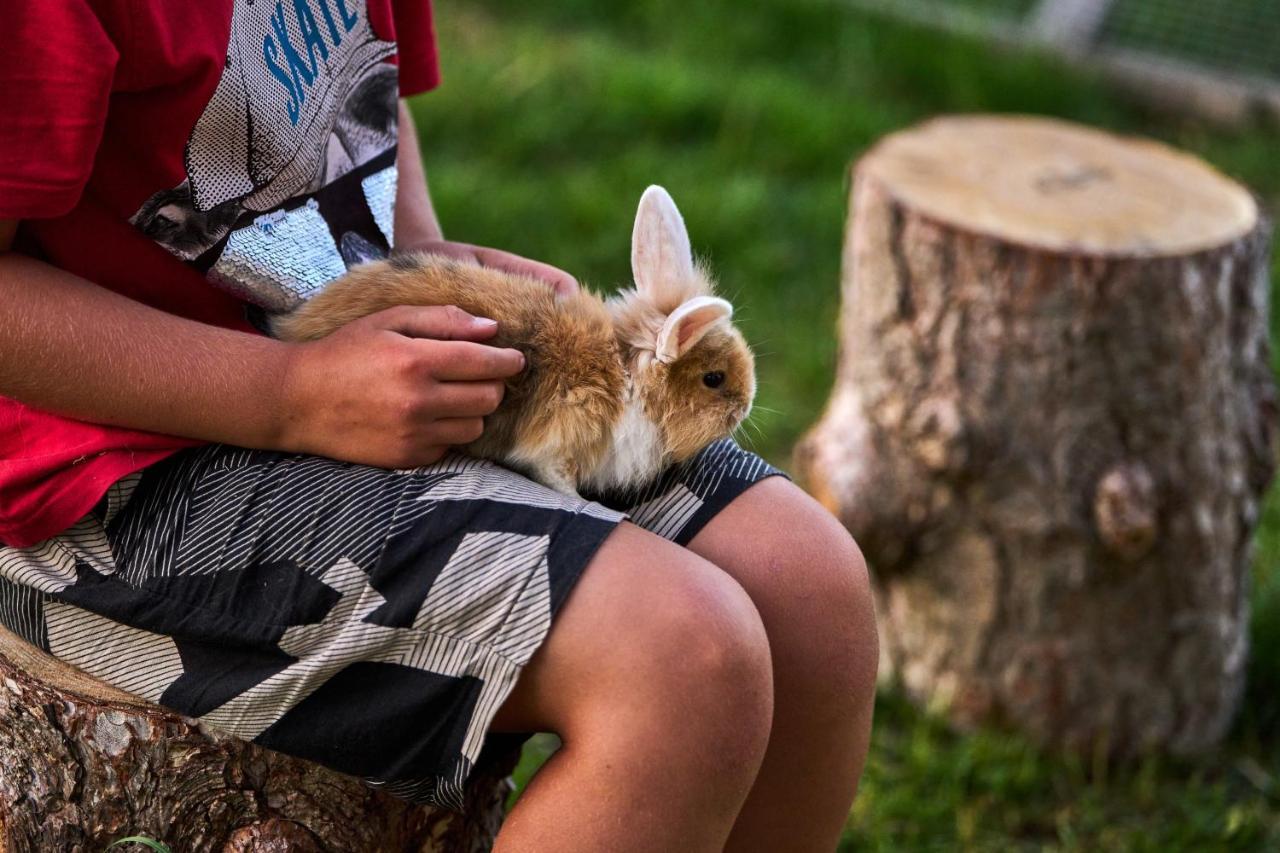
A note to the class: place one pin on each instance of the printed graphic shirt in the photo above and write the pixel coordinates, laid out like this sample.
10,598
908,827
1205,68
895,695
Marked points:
218,160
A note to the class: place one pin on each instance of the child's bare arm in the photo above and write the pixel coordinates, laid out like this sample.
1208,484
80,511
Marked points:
395,389
375,392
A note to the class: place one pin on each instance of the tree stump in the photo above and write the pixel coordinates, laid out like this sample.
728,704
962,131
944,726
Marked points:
1051,427
83,764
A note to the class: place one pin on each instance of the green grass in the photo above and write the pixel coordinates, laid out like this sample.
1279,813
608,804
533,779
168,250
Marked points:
554,116
143,840
926,788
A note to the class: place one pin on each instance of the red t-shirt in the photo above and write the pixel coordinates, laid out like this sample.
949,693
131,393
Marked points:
218,160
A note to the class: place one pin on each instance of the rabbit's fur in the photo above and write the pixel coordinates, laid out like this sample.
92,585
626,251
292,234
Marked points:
612,392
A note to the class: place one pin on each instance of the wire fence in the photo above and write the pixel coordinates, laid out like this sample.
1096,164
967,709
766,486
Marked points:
1222,56
1240,36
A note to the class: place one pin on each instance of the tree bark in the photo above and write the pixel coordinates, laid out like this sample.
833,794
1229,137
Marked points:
1052,424
83,764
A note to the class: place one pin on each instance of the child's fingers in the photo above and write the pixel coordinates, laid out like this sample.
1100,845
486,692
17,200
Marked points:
452,432
440,322
468,399
464,361
560,280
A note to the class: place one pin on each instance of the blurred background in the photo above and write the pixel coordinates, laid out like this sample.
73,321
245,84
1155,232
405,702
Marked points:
555,114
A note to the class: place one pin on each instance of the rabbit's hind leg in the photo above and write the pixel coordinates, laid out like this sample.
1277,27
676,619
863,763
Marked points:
544,458
555,475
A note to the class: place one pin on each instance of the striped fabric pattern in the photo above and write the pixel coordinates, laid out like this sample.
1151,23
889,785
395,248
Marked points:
78,637
372,621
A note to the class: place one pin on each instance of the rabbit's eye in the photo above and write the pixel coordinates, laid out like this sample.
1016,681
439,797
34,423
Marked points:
714,379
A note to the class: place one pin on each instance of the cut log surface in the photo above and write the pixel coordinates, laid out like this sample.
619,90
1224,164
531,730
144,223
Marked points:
1039,183
1052,425
83,764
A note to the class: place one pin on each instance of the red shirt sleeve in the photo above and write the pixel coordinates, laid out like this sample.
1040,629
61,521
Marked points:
56,70
416,45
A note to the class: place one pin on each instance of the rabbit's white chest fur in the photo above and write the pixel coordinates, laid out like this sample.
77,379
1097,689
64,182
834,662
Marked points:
636,454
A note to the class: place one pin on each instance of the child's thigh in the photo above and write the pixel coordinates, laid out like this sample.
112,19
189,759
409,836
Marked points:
650,631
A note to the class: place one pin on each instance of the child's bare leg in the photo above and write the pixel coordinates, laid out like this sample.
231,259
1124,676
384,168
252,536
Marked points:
656,676
810,585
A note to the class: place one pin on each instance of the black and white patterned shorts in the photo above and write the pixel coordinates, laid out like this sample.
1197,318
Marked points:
370,620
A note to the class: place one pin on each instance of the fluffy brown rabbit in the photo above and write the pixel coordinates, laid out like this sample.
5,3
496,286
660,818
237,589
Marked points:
612,392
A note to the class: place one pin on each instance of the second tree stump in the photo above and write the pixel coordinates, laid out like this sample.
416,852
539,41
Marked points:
1052,426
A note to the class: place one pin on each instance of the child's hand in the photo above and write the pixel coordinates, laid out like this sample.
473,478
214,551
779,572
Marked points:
395,389
498,259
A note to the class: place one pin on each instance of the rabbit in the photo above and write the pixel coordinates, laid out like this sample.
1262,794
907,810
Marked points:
614,391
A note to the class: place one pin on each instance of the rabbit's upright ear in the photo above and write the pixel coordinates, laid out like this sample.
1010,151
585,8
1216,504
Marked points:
661,259
688,324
